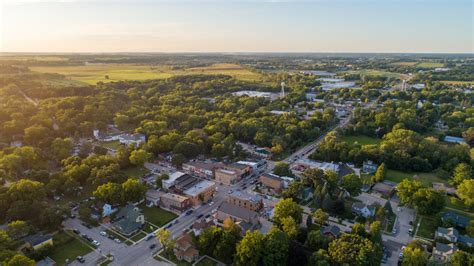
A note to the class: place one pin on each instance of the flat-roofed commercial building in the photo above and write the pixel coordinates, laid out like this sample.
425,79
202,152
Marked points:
227,176
200,192
175,202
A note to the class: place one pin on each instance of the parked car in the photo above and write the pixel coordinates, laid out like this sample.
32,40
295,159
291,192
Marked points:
189,212
117,241
96,243
149,237
152,246
80,259
200,216
207,216
77,232
103,233
211,203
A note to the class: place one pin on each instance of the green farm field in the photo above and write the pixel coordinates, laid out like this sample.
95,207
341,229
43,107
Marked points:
430,64
92,74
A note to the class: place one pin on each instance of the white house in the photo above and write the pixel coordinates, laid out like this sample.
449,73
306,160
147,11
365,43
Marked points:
360,209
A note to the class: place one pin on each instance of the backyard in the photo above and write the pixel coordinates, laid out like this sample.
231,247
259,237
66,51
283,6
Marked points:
67,246
427,228
425,178
362,140
157,216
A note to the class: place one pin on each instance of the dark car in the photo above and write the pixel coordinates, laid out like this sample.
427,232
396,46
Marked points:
76,231
169,226
150,236
153,246
80,259
200,216
189,212
207,216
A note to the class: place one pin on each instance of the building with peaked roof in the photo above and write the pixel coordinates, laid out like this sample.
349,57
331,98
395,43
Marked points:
331,230
453,236
184,248
129,220
443,252
361,209
38,241
457,219
240,215
244,199
200,225
444,188
369,167
385,188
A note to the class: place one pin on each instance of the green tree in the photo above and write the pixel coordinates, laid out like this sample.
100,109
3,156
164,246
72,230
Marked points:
164,236
133,190
470,228
61,148
290,227
208,239
316,240
407,189
178,160
429,201
18,229
376,232
139,157
320,258
250,249
20,260
287,208
225,247
461,173
462,258
160,178
320,216
352,184
414,257
465,192
109,192
282,169
276,247
380,174
353,249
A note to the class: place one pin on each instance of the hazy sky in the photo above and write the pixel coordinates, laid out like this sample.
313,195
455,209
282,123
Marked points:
236,26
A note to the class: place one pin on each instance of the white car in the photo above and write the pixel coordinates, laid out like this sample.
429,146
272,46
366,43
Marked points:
117,240
103,233
211,203
399,209
96,243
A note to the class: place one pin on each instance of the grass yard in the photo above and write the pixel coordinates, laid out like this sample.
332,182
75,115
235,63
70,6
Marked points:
173,258
135,172
362,140
457,82
92,74
67,247
425,178
427,227
429,64
149,228
119,236
138,236
157,216
206,262
367,72
404,63
114,144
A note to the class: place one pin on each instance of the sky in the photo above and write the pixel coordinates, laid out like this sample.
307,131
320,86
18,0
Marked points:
421,26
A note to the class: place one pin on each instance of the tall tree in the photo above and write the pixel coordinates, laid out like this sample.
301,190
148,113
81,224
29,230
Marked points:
287,208
250,249
276,247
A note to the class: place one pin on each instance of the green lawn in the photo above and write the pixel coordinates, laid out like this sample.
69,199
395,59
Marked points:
425,178
114,144
67,247
175,260
427,227
91,74
138,236
430,64
135,172
362,140
157,216
206,262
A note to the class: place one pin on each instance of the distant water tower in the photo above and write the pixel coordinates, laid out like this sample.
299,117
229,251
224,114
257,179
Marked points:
282,94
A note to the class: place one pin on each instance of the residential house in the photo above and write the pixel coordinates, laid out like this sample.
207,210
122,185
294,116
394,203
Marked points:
199,225
369,167
136,139
361,209
453,236
38,241
245,218
175,202
385,188
272,182
184,248
331,230
457,219
443,252
244,199
152,197
444,188
303,164
200,192
129,220
306,194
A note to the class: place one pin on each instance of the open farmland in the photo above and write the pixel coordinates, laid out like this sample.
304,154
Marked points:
91,74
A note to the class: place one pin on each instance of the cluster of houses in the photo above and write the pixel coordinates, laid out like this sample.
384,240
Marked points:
448,240
136,139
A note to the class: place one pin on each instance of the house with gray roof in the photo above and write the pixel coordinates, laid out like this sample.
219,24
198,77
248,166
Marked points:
457,219
443,252
129,220
240,215
361,209
453,236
